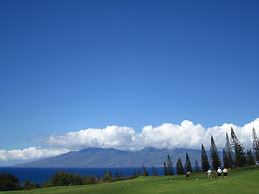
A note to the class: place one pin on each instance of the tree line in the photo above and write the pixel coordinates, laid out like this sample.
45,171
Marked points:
233,155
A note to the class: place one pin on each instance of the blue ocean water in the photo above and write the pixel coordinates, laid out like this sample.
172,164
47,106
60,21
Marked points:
41,175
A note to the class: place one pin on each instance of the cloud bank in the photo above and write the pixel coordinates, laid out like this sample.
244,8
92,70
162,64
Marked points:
167,135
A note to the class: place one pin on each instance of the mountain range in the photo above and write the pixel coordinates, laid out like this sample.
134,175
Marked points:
109,157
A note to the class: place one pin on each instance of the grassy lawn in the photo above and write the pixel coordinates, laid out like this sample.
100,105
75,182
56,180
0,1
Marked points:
243,181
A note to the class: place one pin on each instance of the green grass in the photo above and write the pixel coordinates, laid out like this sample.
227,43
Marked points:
240,181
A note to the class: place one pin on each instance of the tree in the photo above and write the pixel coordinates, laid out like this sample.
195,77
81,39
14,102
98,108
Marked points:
229,154
188,165
250,160
205,165
214,155
197,168
179,166
225,159
255,144
9,182
168,166
145,172
165,169
154,171
29,185
65,179
240,159
107,176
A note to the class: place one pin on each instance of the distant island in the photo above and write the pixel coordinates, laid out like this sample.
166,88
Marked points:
109,157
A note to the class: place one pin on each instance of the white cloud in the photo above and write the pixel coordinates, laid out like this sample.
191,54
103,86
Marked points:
111,136
30,153
168,135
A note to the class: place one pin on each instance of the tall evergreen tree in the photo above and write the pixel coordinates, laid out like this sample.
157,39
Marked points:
214,155
250,160
169,165
165,169
179,166
255,143
188,165
145,172
225,159
240,158
205,165
253,161
229,154
197,168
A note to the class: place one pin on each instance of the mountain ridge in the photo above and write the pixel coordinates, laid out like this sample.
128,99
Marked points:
110,157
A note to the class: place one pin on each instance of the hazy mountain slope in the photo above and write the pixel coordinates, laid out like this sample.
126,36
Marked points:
100,157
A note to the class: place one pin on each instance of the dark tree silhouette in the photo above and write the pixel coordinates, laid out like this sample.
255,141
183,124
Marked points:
240,158
214,155
225,159
197,168
229,154
145,172
179,167
250,160
205,165
255,142
188,165
168,166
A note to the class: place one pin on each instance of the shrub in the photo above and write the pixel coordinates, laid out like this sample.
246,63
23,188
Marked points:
65,179
8,182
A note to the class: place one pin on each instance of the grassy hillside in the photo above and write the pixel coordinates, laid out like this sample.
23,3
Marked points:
243,181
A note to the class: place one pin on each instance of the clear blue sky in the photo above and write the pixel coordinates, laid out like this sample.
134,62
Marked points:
68,65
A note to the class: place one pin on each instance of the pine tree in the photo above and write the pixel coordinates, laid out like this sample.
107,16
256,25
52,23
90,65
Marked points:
229,154
179,166
255,144
165,169
225,159
214,155
169,165
154,171
248,158
197,168
204,159
107,176
240,158
145,173
250,161
188,165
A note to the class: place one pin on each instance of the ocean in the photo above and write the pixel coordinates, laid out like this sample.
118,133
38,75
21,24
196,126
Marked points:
41,175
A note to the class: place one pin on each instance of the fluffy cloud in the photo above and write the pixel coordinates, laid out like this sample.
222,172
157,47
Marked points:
30,153
168,135
111,136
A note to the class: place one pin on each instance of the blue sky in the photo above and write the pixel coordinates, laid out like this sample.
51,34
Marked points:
68,65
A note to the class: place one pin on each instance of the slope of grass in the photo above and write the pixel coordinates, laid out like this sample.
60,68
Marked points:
240,181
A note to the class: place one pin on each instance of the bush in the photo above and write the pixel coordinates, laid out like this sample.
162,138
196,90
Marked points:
65,179
29,185
89,180
107,176
9,182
